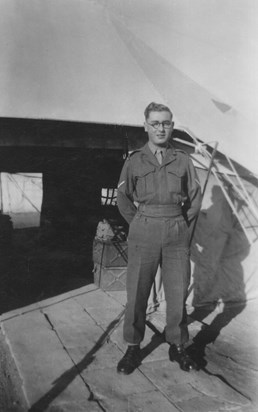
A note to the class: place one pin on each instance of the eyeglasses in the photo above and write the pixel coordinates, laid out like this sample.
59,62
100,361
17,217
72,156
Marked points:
165,125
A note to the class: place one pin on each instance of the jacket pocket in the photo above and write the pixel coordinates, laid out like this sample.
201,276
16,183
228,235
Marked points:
145,181
175,181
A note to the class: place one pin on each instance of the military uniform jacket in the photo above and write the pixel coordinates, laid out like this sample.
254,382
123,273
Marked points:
144,181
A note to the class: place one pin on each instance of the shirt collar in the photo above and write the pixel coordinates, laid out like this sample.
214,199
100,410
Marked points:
154,148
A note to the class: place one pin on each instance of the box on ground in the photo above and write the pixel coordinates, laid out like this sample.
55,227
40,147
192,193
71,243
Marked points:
110,253
110,278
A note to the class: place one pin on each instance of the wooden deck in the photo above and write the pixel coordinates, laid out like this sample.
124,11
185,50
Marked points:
66,350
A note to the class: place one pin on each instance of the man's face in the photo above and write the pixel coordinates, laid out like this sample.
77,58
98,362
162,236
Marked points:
159,127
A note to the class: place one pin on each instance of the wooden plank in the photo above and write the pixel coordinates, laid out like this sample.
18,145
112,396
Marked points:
203,403
84,290
114,390
101,307
150,402
87,343
119,296
47,371
243,379
179,386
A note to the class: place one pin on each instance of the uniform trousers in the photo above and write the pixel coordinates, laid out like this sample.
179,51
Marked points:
153,241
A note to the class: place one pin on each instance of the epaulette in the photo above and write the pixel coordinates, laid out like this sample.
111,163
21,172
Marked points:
131,153
181,151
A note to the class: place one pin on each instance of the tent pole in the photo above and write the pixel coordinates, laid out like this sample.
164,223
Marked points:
204,189
203,193
1,194
247,198
228,198
232,206
126,150
242,196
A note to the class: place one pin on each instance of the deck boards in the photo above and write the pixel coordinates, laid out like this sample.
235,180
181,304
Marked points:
66,350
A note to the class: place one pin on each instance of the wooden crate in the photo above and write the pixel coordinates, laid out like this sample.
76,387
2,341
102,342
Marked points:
110,253
110,278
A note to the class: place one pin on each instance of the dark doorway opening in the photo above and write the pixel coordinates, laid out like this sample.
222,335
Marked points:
37,263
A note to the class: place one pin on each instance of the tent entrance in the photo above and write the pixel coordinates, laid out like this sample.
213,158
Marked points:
53,254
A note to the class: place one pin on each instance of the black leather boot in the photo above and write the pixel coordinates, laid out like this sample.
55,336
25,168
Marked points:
178,353
130,360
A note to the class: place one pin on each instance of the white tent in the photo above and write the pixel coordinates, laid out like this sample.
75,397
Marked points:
103,61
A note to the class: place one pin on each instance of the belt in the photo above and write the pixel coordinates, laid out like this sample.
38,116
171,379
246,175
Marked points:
160,210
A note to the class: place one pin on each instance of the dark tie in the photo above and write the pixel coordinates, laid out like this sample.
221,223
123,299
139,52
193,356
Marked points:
159,155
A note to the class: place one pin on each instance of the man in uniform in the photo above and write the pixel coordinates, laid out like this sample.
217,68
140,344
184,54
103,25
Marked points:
159,196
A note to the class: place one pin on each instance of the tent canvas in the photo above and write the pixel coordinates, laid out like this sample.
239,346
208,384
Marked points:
224,263
104,61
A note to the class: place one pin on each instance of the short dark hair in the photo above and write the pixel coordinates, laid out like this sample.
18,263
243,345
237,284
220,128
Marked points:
156,107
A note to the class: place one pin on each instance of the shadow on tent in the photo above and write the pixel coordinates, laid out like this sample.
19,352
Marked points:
219,246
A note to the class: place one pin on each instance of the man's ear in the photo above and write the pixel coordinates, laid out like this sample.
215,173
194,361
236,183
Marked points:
145,127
